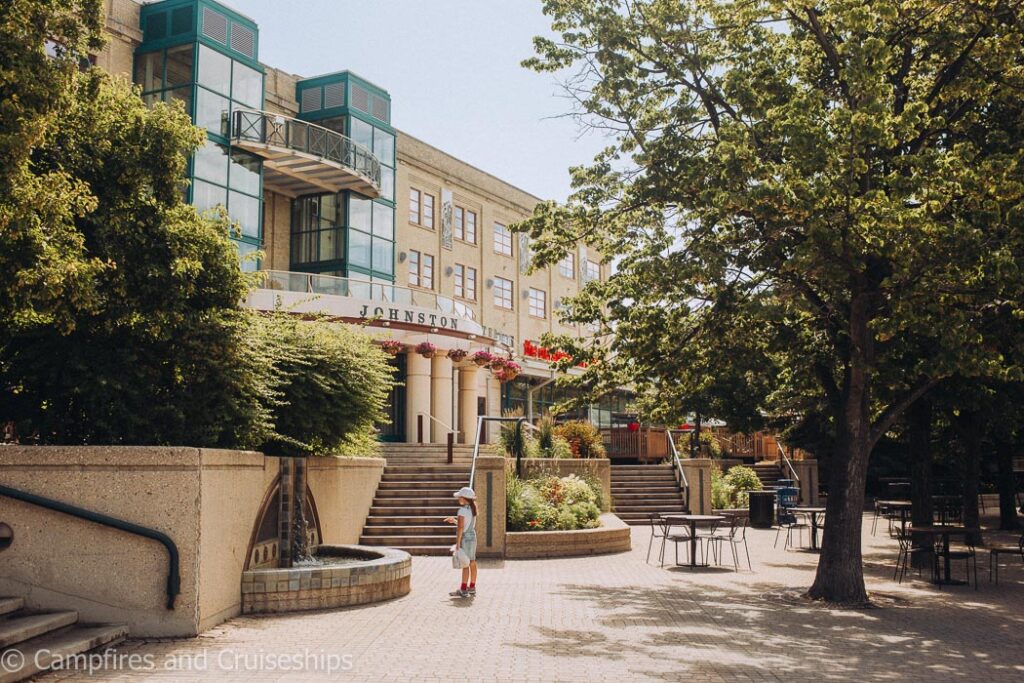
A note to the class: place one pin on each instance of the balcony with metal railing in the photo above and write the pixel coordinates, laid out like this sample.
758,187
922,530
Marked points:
303,158
356,299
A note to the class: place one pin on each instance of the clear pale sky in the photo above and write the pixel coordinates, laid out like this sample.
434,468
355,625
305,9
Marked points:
452,68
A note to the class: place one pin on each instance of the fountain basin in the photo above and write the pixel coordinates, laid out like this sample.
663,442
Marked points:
346,575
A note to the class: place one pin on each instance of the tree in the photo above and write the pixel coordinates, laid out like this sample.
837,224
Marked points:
841,179
43,262
331,390
145,341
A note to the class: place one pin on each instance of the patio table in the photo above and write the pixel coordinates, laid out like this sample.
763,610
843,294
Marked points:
691,520
945,531
902,507
813,513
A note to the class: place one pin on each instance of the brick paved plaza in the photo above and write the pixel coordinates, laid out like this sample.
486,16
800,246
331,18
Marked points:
615,618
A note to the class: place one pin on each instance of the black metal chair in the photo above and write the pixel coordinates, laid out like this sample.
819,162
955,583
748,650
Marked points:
907,550
790,523
657,531
966,553
736,536
997,549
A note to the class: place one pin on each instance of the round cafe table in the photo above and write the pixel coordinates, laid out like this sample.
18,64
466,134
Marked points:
692,521
901,508
946,531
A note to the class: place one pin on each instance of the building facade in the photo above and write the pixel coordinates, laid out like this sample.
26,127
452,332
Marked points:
352,218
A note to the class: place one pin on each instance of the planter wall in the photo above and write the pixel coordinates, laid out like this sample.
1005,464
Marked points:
206,500
613,536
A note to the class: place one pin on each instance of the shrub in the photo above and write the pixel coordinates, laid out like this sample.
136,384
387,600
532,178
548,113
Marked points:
551,502
742,479
721,492
585,436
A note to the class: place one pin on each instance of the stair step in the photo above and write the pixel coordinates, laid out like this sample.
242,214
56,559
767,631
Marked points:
19,628
43,652
389,510
425,477
405,520
398,541
422,501
445,492
400,530
8,605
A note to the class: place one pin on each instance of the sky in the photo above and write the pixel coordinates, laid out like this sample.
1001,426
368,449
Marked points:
453,70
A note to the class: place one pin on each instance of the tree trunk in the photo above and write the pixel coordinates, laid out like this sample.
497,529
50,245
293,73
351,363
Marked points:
840,575
919,423
1007,488
973,425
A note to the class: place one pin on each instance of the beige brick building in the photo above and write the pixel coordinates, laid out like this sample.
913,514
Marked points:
352,217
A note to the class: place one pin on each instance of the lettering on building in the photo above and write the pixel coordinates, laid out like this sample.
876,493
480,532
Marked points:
408,316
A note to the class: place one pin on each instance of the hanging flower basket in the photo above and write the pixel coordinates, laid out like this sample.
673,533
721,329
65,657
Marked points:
505,369
457,355
392,346
482,358
426,349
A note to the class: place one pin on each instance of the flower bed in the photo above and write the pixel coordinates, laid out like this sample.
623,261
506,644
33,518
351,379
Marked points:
551,503
612,535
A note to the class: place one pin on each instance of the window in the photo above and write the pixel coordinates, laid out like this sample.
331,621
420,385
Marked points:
502,240
465,225
538,303
471,227
421,270
503,293
593,270
567,266
421,208
414,268
428,211
465,282
414,206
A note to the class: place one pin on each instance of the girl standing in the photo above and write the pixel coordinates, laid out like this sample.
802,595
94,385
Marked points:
465,538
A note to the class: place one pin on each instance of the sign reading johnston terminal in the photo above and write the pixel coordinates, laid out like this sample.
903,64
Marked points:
413,317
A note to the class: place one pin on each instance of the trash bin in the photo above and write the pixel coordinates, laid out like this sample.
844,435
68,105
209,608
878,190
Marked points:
788,497
762,509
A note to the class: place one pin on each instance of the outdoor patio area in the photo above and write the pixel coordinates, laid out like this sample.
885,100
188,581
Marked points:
618,618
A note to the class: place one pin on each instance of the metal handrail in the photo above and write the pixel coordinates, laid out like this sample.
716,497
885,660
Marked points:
173,575
269,128
332,285
678,466
785,459
480,420
447,426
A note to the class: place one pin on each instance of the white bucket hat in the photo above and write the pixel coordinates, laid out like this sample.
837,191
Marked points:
465,492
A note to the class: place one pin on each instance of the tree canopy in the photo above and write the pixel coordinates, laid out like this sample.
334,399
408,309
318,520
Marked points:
812,206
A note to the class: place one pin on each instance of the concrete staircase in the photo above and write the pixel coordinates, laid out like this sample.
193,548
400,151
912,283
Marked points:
410,506
45,638
427,453
638,490
769,472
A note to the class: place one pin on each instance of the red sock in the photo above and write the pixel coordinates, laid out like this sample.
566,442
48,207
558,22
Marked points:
473,585
463,587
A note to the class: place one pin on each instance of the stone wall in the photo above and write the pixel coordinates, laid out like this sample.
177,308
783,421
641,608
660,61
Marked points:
206,501
613,536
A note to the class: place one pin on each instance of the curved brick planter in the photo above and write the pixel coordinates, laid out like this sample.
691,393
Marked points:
386,576
611,537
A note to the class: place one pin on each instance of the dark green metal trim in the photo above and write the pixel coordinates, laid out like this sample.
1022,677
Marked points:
173,575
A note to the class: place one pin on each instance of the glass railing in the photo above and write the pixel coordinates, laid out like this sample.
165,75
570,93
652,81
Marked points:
311,283
269,128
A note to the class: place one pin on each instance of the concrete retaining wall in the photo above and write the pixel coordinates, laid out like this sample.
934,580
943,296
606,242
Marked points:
613,536
207,501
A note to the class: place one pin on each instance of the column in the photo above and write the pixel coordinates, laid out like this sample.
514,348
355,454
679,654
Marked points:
698,475
490,486
441,397
417,395
467,403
